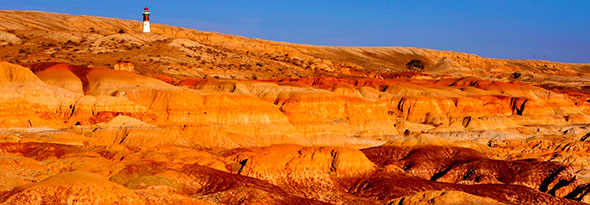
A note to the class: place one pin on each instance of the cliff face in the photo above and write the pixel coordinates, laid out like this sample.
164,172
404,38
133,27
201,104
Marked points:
183,116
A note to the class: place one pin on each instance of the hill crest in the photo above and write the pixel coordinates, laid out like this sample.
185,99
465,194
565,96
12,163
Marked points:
186,53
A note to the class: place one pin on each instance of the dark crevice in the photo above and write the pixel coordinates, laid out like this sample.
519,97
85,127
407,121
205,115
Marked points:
466,121
562,183
545,184
332,164
441,173
516,108
126,133
401,201
579,193
243,164
400,105
73,107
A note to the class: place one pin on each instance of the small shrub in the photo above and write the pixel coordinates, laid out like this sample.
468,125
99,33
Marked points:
516,75
415,64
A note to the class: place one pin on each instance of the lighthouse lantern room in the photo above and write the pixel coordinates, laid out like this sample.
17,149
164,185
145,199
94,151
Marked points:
146,20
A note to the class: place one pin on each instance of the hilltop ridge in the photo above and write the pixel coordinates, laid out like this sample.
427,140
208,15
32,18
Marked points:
100,42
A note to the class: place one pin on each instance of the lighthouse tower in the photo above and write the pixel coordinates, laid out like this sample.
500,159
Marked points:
146,20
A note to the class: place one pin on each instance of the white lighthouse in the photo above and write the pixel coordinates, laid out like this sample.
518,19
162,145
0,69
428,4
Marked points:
146,20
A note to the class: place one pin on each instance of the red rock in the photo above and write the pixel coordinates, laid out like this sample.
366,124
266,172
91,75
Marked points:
72,187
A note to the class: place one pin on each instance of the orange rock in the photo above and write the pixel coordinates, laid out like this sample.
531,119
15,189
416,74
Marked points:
314,168
443,197
125,66
72,187
61,76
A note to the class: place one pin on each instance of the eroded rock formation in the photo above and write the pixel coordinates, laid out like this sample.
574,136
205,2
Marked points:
203,118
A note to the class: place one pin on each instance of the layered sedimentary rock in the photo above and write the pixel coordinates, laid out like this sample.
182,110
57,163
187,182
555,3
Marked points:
123,111
312,172
72,187
443,197
275,174
203,118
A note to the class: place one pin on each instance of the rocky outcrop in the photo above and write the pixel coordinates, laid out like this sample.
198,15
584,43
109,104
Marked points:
312,172
278,174
316,111
72,187
392,187
443,197
8,39
61,76
466,166
125,65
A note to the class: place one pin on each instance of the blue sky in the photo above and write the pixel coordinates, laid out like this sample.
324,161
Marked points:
557,29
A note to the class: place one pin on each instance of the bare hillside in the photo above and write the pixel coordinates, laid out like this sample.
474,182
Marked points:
179,52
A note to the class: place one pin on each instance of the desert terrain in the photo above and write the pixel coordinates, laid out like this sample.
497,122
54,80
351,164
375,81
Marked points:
93,111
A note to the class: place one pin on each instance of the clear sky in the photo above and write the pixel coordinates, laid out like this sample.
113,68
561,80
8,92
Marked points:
557,30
